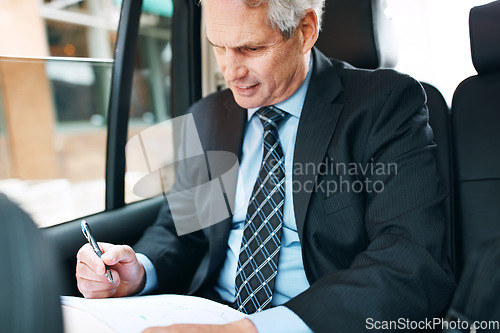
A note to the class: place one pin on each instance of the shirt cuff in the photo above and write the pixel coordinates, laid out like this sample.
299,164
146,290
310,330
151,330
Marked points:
149,269
279,319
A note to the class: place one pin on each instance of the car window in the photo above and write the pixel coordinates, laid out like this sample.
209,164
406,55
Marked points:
54,136
55,80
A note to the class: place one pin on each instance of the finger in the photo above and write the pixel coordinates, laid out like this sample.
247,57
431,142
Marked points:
122,254
88,257
93,285
96,286
105,246
177,328
86,272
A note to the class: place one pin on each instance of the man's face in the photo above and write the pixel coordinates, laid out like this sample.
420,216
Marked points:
259,67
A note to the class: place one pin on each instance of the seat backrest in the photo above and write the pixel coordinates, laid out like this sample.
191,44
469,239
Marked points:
476,136
29,299
360,33
440,122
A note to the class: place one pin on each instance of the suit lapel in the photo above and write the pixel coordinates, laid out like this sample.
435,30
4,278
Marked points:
316,127
225,123
229,133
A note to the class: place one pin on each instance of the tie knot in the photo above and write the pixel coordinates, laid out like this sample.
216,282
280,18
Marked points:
271,117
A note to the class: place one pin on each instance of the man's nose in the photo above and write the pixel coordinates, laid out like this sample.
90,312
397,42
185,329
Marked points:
235,68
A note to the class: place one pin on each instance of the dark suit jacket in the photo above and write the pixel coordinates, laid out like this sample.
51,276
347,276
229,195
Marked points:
368,252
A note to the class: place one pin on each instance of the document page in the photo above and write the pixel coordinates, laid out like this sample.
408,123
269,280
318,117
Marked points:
134,314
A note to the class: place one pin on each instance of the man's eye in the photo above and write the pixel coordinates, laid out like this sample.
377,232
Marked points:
253,49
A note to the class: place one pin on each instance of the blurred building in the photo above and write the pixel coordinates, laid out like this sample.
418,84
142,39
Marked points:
56,59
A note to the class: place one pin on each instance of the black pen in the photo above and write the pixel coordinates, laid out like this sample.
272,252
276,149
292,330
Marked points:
88,234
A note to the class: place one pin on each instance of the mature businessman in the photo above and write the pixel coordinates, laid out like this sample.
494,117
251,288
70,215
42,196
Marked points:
343,225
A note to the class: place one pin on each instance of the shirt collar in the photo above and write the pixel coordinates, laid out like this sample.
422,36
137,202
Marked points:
293,104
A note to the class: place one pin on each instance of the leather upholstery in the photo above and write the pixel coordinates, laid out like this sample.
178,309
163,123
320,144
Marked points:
485,37
359,32
476,136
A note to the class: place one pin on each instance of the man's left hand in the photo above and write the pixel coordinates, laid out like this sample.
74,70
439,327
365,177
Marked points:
243,326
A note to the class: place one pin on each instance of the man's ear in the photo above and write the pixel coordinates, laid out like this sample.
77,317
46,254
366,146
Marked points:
309,29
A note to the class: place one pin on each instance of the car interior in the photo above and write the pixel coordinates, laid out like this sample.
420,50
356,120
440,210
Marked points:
355,31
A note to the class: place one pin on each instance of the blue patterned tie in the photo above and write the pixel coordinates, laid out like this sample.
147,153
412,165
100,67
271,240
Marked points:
260,246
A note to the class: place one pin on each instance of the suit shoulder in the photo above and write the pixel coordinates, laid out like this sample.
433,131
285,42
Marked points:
379,79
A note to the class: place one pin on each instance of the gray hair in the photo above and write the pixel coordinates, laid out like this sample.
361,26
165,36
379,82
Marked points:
285,15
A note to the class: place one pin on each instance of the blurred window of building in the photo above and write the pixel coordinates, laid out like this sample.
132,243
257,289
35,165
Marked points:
55,79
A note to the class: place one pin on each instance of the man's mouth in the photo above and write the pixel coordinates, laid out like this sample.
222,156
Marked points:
247,89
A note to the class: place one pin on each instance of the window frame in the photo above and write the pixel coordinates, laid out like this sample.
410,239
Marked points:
186,83
119,103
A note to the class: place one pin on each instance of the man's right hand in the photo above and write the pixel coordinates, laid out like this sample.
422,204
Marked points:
128,274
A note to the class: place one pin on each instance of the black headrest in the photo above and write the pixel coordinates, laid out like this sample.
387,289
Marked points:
484,25
359,32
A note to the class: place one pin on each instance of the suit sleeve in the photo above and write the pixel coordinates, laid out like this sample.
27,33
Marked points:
178,242
402,272
174,255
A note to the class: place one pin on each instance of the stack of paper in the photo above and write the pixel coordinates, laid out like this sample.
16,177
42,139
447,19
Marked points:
134,314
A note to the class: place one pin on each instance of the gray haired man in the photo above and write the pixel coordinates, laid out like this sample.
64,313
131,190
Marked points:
296,255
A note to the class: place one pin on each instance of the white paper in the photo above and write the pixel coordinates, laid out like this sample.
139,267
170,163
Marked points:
134,314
